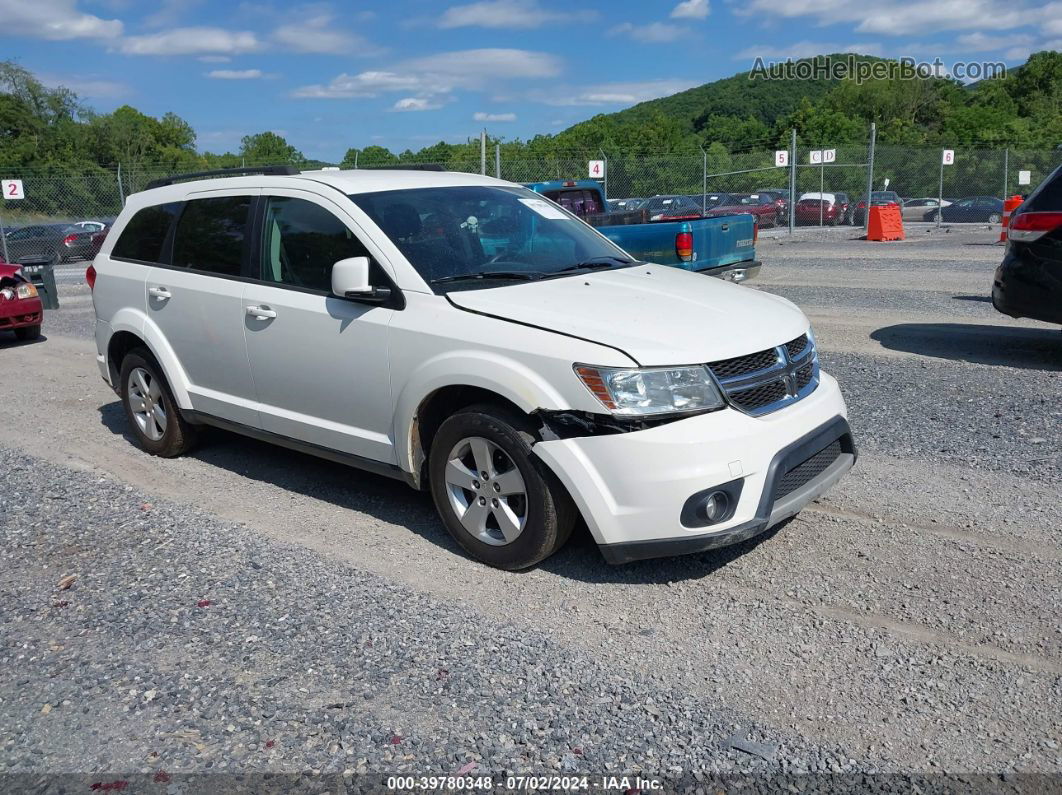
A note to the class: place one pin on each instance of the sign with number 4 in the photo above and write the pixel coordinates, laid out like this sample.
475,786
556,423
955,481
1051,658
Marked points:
13,189
597,169
948,158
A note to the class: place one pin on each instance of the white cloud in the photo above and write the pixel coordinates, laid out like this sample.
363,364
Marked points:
415,104
318,34
87,86
611,93
981,42
444,73
191,41
214,58
494,116
691,9
653,33
236,74
897,17
804,49
520,14
56,20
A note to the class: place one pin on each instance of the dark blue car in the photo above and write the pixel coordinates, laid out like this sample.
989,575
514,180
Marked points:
971,210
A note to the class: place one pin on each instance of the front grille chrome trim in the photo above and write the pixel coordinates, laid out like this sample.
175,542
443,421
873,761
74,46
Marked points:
784,375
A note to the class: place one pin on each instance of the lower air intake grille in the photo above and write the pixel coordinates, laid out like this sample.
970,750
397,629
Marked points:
806,471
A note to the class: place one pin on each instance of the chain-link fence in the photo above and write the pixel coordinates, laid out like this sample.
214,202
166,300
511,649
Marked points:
716,176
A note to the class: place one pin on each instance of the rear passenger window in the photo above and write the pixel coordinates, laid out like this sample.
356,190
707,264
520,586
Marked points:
301,243
144,235
211,233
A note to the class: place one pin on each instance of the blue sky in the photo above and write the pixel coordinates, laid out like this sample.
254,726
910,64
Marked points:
407,73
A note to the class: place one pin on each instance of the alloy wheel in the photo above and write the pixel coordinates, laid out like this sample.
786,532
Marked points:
486,491
145,402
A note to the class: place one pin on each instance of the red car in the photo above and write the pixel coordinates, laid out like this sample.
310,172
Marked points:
762,206
20,307
827,208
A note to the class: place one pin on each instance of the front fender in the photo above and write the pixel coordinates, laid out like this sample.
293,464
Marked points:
504,376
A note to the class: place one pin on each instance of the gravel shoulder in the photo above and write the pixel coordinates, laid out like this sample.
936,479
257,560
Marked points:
907,622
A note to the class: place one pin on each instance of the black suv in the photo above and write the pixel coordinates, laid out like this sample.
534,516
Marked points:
1028,283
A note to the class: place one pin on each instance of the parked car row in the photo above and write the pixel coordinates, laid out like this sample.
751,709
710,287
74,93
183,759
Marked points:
55,242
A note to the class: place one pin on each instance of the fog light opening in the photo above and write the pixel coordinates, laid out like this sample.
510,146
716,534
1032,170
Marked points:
715,506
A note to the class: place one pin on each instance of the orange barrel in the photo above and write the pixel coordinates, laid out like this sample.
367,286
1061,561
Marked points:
1009,206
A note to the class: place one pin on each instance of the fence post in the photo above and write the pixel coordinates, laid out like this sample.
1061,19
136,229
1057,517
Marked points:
357,152
3,238
605,158
704,186
792,180
483,153
1006,164
497,161
121,194
940,193
870,172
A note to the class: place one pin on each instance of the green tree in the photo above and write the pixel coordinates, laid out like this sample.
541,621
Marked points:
268,147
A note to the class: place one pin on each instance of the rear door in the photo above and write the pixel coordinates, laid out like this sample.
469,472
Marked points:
319,362
195,301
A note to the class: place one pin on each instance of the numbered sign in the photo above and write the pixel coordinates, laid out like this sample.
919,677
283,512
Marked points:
13,189
1024,177
781,157
597,169
829,155
948,157
815,157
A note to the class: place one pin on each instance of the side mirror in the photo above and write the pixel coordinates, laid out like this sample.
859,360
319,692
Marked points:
350,278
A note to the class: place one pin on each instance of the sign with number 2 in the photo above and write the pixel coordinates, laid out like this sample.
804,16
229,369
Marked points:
13,189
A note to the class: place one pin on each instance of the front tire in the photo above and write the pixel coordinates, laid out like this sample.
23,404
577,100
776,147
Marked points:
27,333
153,414
497,499
995,218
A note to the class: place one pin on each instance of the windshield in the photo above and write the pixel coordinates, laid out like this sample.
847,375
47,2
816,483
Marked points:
475,236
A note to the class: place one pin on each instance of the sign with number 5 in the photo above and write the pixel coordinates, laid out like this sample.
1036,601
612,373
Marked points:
13,189
597,169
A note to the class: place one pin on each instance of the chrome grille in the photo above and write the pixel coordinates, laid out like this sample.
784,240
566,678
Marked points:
765,381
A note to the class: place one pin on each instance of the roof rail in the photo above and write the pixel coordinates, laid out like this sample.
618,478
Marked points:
406,167
224,172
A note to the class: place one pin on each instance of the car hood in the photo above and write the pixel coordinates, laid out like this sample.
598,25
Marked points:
655,314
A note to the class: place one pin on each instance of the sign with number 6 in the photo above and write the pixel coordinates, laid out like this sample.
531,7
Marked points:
948,157
13,189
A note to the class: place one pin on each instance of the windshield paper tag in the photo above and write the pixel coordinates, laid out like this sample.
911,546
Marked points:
545,209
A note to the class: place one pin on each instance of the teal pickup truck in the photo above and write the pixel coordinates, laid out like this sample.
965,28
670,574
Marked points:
723,246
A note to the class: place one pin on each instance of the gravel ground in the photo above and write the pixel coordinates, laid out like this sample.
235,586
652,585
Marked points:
908,623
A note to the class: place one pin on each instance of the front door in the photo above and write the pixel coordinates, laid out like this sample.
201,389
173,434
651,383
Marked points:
319,362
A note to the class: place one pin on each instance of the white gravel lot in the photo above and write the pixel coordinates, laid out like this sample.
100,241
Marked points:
909,623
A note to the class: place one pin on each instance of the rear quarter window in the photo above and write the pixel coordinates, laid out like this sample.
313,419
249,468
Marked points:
1048,196
145,234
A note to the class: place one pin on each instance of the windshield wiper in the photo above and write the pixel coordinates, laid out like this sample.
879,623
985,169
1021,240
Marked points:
519,275
597,263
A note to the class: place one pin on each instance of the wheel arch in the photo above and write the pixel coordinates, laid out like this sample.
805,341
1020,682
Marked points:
128,334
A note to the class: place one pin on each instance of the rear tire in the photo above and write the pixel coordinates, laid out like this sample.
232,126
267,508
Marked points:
153,414
498,500
27,333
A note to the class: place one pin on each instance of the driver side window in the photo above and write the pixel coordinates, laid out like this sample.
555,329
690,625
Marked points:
301,241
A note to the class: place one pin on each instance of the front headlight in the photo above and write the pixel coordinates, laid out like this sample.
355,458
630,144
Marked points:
651,390
26,290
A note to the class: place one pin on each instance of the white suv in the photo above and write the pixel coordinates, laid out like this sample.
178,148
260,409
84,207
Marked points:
470,337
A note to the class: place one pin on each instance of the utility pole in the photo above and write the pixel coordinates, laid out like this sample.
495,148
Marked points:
497,161
483,153
1006,165
792,180
704,187
605,158
870,172
121,193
